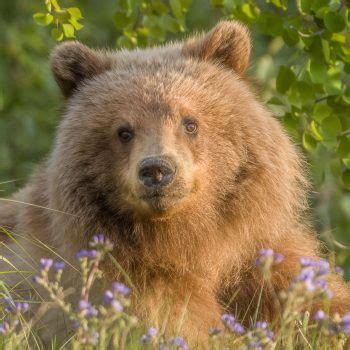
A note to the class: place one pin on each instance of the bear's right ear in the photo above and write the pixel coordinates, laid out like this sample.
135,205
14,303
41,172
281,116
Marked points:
228,44
73,62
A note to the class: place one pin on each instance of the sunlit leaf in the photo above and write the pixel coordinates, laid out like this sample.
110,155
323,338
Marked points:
57,34
334,22
43,19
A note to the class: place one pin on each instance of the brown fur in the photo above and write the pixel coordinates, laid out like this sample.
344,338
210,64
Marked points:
240,184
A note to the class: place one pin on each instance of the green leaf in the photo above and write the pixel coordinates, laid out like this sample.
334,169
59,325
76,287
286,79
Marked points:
121,20
321,111
176,8
304,5
290,36
330,79
217,3
344,148
75,12
275,101
43,19
48,5
169,23
305,91
334,22
248,10
57,34
318,4
68,30
346,96
75,24
330,127
270,23
285,79
346,162
309,142
346,178
186,3
55,5
318,71
62,15
326,50
340,38
282,4
315,132
300,93
333,83
334,167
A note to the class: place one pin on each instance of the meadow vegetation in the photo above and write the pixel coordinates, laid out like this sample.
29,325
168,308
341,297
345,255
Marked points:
300,67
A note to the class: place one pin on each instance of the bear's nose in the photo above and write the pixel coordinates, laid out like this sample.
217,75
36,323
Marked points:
156,172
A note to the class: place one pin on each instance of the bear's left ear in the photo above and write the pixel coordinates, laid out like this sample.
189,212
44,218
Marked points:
73,62
228,43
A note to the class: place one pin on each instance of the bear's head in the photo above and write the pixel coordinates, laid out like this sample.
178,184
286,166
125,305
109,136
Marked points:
149,133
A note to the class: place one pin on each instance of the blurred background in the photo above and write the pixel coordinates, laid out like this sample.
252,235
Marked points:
299,67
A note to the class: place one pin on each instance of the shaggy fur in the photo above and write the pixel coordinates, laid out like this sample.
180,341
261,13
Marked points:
239,183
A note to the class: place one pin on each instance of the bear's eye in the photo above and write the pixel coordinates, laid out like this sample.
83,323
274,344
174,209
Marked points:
125,134
191,126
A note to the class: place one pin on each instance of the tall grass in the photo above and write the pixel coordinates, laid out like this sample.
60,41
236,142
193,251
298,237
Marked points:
111,324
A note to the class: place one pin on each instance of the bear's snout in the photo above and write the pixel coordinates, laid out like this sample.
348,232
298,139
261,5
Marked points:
156,172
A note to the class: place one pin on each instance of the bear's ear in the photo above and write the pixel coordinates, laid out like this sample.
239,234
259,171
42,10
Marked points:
73,62
228,43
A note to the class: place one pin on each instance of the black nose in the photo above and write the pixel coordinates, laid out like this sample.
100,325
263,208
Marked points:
156,172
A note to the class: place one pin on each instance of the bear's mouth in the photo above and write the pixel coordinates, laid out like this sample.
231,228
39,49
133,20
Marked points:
153,195
160,202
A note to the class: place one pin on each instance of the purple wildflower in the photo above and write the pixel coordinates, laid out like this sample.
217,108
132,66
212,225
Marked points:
319,315
179,343
311,276
306,274
278,258
13,307
238,328
86,307
228,320
4,327
306,262
82,254
338,270
85,253
269,335
100,238
8,301
261,325
121,288
150,335
45,264
117,306
266,252
268,256
323,267
255,344
36,279
76,324
59,265
22,306
346,323
100,241
108,297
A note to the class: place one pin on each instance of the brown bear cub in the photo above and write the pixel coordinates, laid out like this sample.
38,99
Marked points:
168,152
